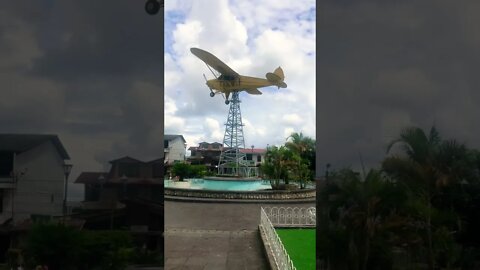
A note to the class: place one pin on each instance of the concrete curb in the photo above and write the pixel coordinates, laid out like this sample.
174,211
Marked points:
209,200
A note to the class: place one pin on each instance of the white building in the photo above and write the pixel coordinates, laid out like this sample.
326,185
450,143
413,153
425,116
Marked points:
254,156
175,148
32,176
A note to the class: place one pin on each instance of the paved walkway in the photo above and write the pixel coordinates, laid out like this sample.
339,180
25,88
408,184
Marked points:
211,236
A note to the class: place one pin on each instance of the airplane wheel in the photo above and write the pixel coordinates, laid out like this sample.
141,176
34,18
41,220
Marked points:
212,94
152,7
227,102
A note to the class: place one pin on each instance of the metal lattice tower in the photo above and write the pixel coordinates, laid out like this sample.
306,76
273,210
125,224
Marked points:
232,162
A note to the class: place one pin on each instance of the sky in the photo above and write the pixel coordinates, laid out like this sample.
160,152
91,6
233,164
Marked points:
90,72
253,38
385,65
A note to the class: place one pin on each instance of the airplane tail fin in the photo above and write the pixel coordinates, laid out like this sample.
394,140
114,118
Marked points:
277,77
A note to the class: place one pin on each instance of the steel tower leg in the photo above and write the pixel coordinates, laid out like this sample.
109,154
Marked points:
232,162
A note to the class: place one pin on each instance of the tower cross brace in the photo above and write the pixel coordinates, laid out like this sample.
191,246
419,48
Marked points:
232,161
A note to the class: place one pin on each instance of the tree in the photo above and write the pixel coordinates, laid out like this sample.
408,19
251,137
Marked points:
360,212
304,149
279,161
429,168
55,245
181,170
197,171
304,146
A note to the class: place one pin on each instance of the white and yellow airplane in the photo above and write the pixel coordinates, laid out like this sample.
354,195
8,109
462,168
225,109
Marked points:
230,81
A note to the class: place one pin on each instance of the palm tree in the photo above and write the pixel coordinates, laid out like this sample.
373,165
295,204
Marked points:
304,148
278,165
360,210
300,143
429,164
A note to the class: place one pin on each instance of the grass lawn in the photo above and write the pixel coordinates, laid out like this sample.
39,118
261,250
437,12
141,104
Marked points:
300,245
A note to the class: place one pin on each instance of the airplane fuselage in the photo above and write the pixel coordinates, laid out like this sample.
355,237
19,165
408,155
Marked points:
237,84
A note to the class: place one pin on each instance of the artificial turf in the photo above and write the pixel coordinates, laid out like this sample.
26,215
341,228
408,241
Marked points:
300,245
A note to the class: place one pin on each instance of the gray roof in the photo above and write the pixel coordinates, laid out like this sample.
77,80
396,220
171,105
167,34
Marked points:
171,137
22,142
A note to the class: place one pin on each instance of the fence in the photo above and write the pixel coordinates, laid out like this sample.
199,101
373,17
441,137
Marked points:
283,217
291,216
280,256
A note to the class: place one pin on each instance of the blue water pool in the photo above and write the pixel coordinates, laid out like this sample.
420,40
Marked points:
230,185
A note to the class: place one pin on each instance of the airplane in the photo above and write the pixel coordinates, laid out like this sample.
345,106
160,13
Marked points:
230,81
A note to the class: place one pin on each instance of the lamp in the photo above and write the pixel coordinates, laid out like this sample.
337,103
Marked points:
67,169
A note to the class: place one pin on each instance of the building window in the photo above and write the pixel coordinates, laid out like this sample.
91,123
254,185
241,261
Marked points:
165,144
129,169
6,163
259,158
249,156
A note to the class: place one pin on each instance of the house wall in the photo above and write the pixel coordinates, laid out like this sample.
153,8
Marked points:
176,151
40,190
255,157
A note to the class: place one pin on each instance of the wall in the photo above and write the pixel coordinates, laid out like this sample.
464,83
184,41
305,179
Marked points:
176,150
40,190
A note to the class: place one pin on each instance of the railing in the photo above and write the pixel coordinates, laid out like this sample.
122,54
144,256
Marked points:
280,256
291,216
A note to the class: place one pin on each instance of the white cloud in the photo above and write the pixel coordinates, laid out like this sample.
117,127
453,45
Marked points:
292,119
252,42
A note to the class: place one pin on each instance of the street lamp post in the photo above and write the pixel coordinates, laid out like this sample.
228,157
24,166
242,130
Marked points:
101,180
67,168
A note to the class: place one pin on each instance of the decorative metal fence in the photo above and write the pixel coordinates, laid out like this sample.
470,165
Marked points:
280,256
291,216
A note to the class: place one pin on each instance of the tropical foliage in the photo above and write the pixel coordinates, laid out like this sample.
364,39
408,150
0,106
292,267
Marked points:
418,211
185,170
62,248
294,161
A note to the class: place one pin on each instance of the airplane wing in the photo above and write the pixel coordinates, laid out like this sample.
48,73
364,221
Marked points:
213,62
253,91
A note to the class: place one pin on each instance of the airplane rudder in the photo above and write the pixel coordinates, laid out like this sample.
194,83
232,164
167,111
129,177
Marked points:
279,72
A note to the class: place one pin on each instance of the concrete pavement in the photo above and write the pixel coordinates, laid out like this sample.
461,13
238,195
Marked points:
210,236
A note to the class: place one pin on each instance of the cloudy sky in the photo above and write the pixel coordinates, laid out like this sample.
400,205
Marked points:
253,38
384,65
89,71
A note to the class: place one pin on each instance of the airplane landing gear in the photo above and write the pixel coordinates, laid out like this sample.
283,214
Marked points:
152,7
212,94
227,101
